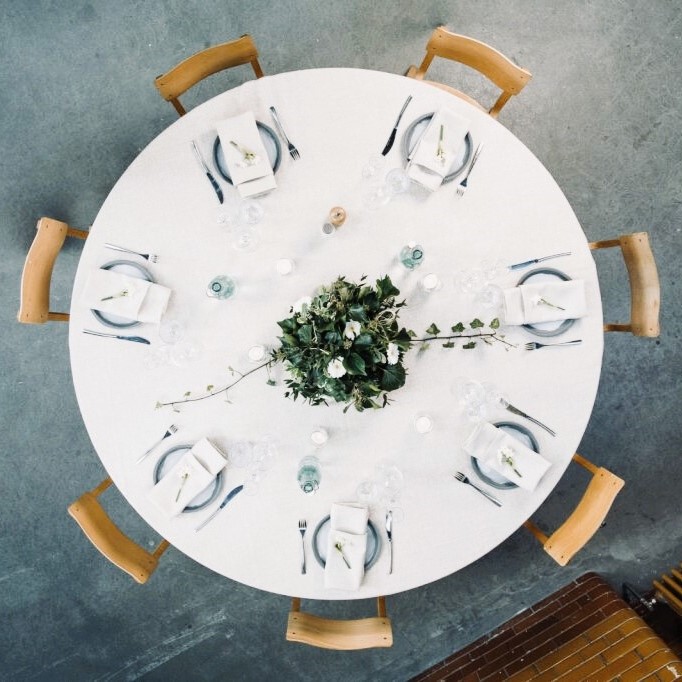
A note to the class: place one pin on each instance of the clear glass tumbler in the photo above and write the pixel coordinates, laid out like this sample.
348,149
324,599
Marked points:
309,474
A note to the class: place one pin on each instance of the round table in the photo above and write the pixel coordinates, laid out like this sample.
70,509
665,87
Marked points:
338,118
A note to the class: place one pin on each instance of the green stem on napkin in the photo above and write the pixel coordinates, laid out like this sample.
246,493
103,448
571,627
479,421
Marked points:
551,305
339,547
248,156
185,476
120,294
440,152
509,461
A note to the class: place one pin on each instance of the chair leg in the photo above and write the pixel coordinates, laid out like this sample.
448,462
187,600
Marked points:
296,604
617,327
579,459
539,535
604,244
381,607
163,546
101,487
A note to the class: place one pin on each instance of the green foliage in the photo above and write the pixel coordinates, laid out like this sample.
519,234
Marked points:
346,345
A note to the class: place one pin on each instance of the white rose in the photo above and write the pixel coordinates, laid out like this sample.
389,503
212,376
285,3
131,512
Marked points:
392,354
352,329
335,368
303,301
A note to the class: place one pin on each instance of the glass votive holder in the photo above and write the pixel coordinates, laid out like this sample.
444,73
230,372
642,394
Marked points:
309,474
423,423
431,283
221,287
257,353
284,266
319,436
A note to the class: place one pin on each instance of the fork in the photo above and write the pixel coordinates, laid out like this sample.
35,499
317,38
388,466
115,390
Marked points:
151,257
465,479
171,430
515,410
461,188
534,345
292,150
302,525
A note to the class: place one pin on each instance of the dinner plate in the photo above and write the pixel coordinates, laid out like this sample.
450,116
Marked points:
132,269
169,459
492,477
321,537
270,142
546,328
413,134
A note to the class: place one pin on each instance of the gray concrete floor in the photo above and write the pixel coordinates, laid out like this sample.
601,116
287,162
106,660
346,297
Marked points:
78,104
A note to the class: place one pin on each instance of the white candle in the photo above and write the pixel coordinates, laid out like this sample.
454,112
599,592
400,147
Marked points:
257,353
285,266
319,436
423,423
431,282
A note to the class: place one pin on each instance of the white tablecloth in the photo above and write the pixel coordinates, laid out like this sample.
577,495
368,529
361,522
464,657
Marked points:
513,210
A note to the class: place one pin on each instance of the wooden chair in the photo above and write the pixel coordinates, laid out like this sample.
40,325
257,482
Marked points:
108,539
669,589
342,635
645,290
586,518
511,79
205,63
34,302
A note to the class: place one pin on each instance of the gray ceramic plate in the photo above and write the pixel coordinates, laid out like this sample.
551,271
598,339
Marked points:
490,476
547,328
413,134
169,459
270,142
321,535
132,269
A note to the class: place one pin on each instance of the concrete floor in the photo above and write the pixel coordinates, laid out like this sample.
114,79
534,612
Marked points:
603,113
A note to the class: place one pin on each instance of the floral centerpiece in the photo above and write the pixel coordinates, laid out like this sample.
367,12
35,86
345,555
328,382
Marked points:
345,344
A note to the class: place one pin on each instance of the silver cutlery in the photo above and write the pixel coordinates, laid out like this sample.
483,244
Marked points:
515,410
232,494
391,138
209,175
389,534
292,150
137,339
465,479
461,188
151,257
302,525
534,345
526,263
171,430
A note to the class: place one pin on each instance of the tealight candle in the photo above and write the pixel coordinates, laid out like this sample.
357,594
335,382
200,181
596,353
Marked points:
285,266
431,282
256,353
423,423
319,436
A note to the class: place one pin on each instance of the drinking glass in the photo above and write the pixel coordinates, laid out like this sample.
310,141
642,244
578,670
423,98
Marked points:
411,255
244,238
367,492
473,397
171,330
228,216
251,212
240,454
373,167
390,480
490,297
397,181
470,281
186,351
221,287
376,195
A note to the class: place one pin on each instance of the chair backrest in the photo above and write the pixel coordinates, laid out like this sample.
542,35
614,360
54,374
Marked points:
108,538
34,302
669,589
585,519
343,635
497,68
205,63
645,289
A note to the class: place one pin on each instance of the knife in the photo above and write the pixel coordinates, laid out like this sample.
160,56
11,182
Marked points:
137,339
233,493
391,138
203,165
526,263
389,533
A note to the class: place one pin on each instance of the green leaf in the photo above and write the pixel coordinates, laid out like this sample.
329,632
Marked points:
495,324
385,288
449,344
187,394
363,340
271,382
476,324
458,328
433,329
411,333
305,334
393,376
469,346
357,313
209,388
354,364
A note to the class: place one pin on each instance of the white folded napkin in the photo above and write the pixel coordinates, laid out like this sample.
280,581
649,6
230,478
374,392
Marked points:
491,446
523,304
192,474
144,301
250,178
348,526
426,167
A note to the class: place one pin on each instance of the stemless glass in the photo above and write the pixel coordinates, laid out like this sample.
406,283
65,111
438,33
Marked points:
171,330
367,493
186,351
397,181
244,238
309,474
251,212
473,397
376,195
390,480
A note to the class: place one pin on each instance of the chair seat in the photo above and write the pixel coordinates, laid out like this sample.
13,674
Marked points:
345,635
